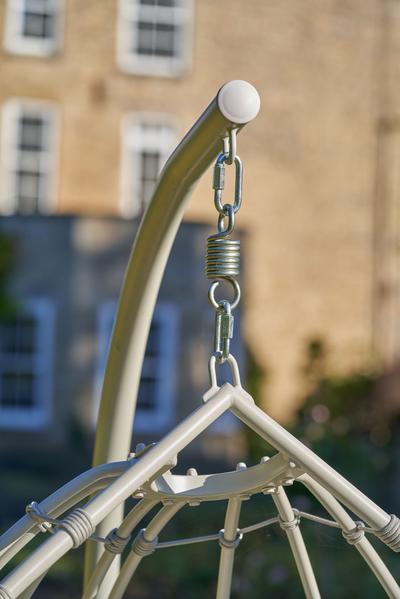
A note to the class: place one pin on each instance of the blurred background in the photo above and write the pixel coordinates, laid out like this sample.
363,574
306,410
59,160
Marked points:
94,97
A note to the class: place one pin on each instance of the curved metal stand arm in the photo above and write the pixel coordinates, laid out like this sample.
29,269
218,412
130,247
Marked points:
236,103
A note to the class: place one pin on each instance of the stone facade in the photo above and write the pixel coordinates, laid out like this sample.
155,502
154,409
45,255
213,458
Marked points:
319,260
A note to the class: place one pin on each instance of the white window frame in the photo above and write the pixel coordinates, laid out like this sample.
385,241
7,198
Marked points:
129,14
16,42
137,138
13,110
164,367
40,415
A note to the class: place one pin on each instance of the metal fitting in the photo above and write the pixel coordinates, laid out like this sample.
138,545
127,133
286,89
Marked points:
290,524
355,535
224,542
142,546
4,594
114,543
78,525
390,534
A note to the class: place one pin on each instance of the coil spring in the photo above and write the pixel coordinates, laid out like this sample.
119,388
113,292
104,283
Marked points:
223,257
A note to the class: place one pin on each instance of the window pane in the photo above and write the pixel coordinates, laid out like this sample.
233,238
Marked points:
18,336
26,335
145,44
29,179
147,393
150,167
25,354
40,25
17,390
153,342
156,39
168,3
165,40
27,192
31,133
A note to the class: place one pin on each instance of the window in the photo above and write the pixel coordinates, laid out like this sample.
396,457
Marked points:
33,27
147,143
154,36
155,407
26,342
28,141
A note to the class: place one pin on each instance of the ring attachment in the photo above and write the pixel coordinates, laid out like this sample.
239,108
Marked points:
214,285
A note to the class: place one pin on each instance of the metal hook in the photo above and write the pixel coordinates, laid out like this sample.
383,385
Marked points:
230,145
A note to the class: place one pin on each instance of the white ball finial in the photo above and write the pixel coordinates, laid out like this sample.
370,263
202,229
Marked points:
239,101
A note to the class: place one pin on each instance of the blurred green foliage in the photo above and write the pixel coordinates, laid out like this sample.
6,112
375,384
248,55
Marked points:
349,423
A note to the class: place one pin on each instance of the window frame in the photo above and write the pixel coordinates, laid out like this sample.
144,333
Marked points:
131,62
164,414
39,416
135,141
10,155
17,43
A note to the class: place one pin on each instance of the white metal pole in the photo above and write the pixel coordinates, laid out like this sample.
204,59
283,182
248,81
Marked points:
236,104
348,525
290,524
228,541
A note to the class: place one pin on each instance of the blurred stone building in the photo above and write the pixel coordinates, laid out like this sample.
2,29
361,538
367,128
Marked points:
95,95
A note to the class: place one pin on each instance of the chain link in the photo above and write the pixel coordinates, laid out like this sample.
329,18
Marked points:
219,182
223,253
